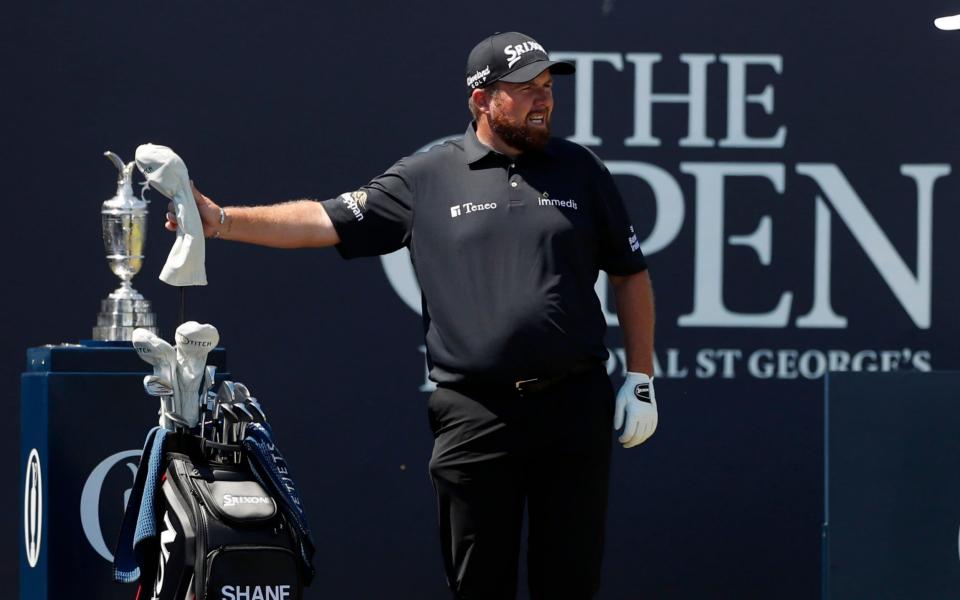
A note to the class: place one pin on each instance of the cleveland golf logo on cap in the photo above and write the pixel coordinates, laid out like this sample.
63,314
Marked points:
479,76
515,51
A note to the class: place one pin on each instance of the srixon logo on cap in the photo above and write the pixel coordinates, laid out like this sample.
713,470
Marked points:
255,592
515,51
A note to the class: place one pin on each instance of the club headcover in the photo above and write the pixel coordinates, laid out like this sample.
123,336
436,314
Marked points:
194,343
157,352
167,173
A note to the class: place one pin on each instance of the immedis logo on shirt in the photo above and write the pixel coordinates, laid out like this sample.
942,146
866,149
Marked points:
33,508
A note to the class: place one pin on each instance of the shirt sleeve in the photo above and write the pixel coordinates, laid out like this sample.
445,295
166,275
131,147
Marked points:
375,219
620,252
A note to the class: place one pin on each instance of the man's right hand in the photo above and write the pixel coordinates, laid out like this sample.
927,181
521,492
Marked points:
209,214
294,224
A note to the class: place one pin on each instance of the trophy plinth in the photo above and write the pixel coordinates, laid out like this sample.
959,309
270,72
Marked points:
124,219
124,310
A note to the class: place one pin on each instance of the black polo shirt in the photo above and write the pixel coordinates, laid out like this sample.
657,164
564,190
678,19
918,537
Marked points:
506,252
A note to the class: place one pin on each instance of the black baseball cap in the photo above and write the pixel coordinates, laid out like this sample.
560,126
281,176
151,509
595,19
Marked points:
512,57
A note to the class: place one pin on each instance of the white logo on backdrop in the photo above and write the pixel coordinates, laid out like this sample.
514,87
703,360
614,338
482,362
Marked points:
33,508
90,499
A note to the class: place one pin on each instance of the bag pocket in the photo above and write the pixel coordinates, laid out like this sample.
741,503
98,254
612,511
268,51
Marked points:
248,572
236,501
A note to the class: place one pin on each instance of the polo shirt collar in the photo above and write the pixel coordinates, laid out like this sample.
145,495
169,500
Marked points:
476,150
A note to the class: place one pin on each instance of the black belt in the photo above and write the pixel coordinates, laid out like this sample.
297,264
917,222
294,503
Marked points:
539,384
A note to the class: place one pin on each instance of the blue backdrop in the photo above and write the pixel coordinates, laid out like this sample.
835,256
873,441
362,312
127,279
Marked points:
790,166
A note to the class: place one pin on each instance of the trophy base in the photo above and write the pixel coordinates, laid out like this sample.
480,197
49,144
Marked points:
120,313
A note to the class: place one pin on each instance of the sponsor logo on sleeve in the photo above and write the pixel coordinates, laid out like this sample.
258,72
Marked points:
356,202
361,198
633,241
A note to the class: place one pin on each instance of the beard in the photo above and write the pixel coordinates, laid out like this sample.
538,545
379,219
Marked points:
520,135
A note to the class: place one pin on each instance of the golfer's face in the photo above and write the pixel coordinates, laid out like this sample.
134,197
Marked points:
527,104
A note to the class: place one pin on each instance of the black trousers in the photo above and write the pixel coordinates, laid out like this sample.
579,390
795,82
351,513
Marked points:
497,451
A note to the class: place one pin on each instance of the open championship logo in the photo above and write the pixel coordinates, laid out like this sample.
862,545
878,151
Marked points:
33,508
90,499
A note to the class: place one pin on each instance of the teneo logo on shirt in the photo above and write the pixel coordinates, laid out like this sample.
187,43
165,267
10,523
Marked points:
355,203
469,207
478,77
255,592
231,500
516,51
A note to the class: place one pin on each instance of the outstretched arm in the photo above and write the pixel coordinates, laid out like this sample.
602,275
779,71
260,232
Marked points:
294,224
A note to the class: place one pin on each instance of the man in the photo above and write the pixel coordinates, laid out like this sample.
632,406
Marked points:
507,230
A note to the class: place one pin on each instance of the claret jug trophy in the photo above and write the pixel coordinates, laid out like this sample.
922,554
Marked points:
124,221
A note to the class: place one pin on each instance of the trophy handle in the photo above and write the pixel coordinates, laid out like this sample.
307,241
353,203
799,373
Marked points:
118,163
125,176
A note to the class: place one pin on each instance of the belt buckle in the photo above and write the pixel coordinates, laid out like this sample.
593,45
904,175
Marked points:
519,384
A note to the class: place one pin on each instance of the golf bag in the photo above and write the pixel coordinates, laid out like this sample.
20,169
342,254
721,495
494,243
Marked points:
221,536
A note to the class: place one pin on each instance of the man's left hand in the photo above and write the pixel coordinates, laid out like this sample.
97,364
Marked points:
637,408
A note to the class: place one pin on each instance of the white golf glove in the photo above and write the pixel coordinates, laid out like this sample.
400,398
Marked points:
168,174
636,410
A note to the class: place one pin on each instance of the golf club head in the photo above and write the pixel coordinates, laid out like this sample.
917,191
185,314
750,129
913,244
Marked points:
159,354
254,406
209,376
243,394
246,415
230,419
227,392
157,386
194,343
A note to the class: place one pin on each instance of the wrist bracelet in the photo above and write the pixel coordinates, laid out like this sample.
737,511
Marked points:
223,220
